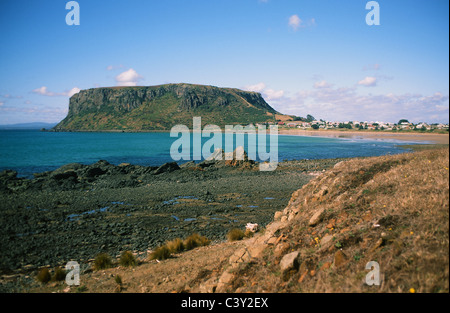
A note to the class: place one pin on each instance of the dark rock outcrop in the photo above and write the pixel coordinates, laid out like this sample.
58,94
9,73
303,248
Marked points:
167,168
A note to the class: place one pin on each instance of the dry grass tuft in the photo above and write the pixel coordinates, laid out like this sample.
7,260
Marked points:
127,259
59,275
44,275
118,280
178,245
102,261
195,240
175,246
160,253
248,233
235,234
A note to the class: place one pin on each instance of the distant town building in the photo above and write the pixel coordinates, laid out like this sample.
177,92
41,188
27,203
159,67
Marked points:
378,125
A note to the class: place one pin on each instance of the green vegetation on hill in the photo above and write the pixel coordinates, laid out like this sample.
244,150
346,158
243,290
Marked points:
162,107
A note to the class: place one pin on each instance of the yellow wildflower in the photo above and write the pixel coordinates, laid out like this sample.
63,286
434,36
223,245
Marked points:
412,290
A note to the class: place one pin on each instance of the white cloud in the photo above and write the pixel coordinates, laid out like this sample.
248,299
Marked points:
73,91
322,84
342,104
273,94
8,96
441,108
268,93
295,22
113,67
45,92
16,114
1,103
128,78
368,81
256,88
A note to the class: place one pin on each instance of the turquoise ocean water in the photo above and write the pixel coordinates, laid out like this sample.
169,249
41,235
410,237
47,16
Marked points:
32,151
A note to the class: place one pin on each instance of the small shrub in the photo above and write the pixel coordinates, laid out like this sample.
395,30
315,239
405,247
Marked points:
59,275
190,243
235,234
118,280
127,259
357,257
160,253
195,240
102,261
44,276
203,241
249,234
175,245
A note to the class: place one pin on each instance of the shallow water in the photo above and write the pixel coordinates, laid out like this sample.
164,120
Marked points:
32,151
75,217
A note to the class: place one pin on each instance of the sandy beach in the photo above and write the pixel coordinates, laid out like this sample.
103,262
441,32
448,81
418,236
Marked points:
417,137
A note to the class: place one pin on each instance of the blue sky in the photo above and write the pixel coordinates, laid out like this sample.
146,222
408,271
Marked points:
314,57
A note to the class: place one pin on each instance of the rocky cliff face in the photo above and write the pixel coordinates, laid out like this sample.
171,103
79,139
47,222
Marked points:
161,107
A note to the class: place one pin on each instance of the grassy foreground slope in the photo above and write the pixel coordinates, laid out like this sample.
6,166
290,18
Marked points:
392,209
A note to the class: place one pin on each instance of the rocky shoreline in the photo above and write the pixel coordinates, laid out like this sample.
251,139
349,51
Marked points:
78,211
